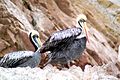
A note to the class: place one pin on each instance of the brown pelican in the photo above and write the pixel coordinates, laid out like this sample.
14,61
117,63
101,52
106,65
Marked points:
67,45
24,58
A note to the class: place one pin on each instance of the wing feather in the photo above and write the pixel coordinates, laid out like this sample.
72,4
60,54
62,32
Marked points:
60,35
59,38
11,59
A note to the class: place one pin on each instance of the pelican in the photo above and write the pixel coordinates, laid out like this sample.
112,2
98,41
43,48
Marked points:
67,45
24,58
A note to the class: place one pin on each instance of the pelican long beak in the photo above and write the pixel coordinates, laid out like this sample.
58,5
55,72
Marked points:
39,42
86,32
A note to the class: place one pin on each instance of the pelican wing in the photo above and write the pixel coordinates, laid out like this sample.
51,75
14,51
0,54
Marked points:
15,58
60,37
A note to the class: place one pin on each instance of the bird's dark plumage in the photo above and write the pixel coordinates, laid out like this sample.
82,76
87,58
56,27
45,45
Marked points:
23,58
66,45
70,52
59,38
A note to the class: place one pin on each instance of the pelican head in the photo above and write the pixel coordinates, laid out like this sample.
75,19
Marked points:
81,16
81,23
34,38
81,20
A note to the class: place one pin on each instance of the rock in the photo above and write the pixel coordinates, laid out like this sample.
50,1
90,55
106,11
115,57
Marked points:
2,8
42,21
52,73
118,18
8,50
3,44
12,36
23,41
48,16
18,14
119,53
105,3
4,14
96,73
65,18
5,21
2,29
98,44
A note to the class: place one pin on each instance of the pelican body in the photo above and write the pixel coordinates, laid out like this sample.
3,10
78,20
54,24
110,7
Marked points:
24,58
67,45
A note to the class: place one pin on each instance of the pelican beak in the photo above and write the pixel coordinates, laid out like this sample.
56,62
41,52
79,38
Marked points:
86,32
39,42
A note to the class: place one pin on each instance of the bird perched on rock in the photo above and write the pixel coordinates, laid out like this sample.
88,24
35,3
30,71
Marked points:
67,45
24,58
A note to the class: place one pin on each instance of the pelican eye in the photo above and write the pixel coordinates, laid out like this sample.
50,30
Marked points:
35,36
82,20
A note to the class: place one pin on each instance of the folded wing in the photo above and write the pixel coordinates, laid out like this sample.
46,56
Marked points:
59,38
16,58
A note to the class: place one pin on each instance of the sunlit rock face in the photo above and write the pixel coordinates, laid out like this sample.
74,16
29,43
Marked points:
18,17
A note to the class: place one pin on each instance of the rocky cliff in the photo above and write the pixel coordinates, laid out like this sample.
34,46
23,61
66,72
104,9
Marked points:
17,17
